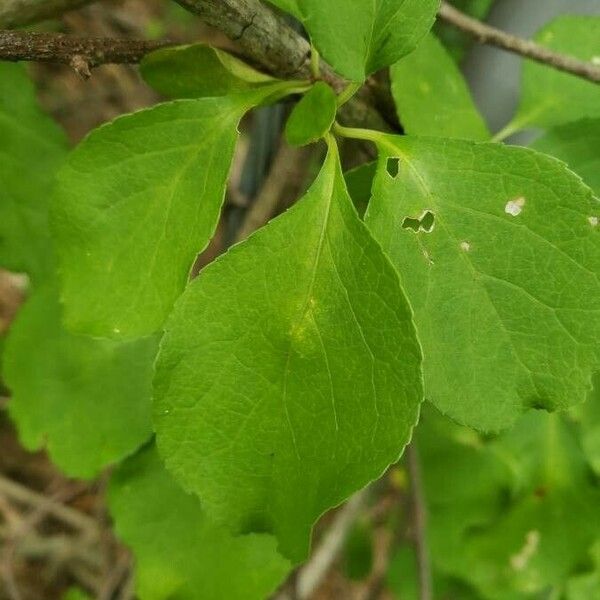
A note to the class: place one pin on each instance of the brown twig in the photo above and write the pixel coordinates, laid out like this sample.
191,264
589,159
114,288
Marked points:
80,53
419,522
485,34
73,518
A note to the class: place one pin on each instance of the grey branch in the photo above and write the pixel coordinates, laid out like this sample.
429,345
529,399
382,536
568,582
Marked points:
16,13
486,34
80,53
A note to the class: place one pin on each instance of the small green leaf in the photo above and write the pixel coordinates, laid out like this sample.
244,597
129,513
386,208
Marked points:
31,149
179,552
88,401
550,97
136,201
432,96
313,116
289,374
499,253
359,38
197,71
577,144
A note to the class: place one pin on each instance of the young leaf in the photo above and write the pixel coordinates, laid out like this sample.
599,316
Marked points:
358,37
432,96
198,71
31,149
289,375
179,552
577,144
313,116
86,400
136,202
550,97
499,253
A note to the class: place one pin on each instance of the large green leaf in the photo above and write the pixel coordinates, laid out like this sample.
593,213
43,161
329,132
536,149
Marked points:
551,97
499,253
179,553
88,401
359,37
577,144
31,149
289,374
432,96
136,202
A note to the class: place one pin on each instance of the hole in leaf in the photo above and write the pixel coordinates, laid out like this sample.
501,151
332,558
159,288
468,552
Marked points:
514,207
425,222
393,167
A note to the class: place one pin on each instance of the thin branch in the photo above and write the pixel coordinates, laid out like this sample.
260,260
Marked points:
16,13
419,522
485,34
308,578
80,53
23,495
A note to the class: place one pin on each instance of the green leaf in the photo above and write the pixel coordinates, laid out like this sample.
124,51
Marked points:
359,38
577,144
289,374
197,71
584,587
31,149
551,97
88,401
136,202
542,531
179,552
589,423
359,182
432,97
521,514
313,116
498,249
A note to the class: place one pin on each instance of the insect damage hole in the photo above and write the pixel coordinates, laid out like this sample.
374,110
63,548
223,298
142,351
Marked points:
393,166
425,222
515,207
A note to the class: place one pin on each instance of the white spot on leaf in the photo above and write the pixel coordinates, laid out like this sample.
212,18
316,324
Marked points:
465,246
596,60
514,207
593,221
532,542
